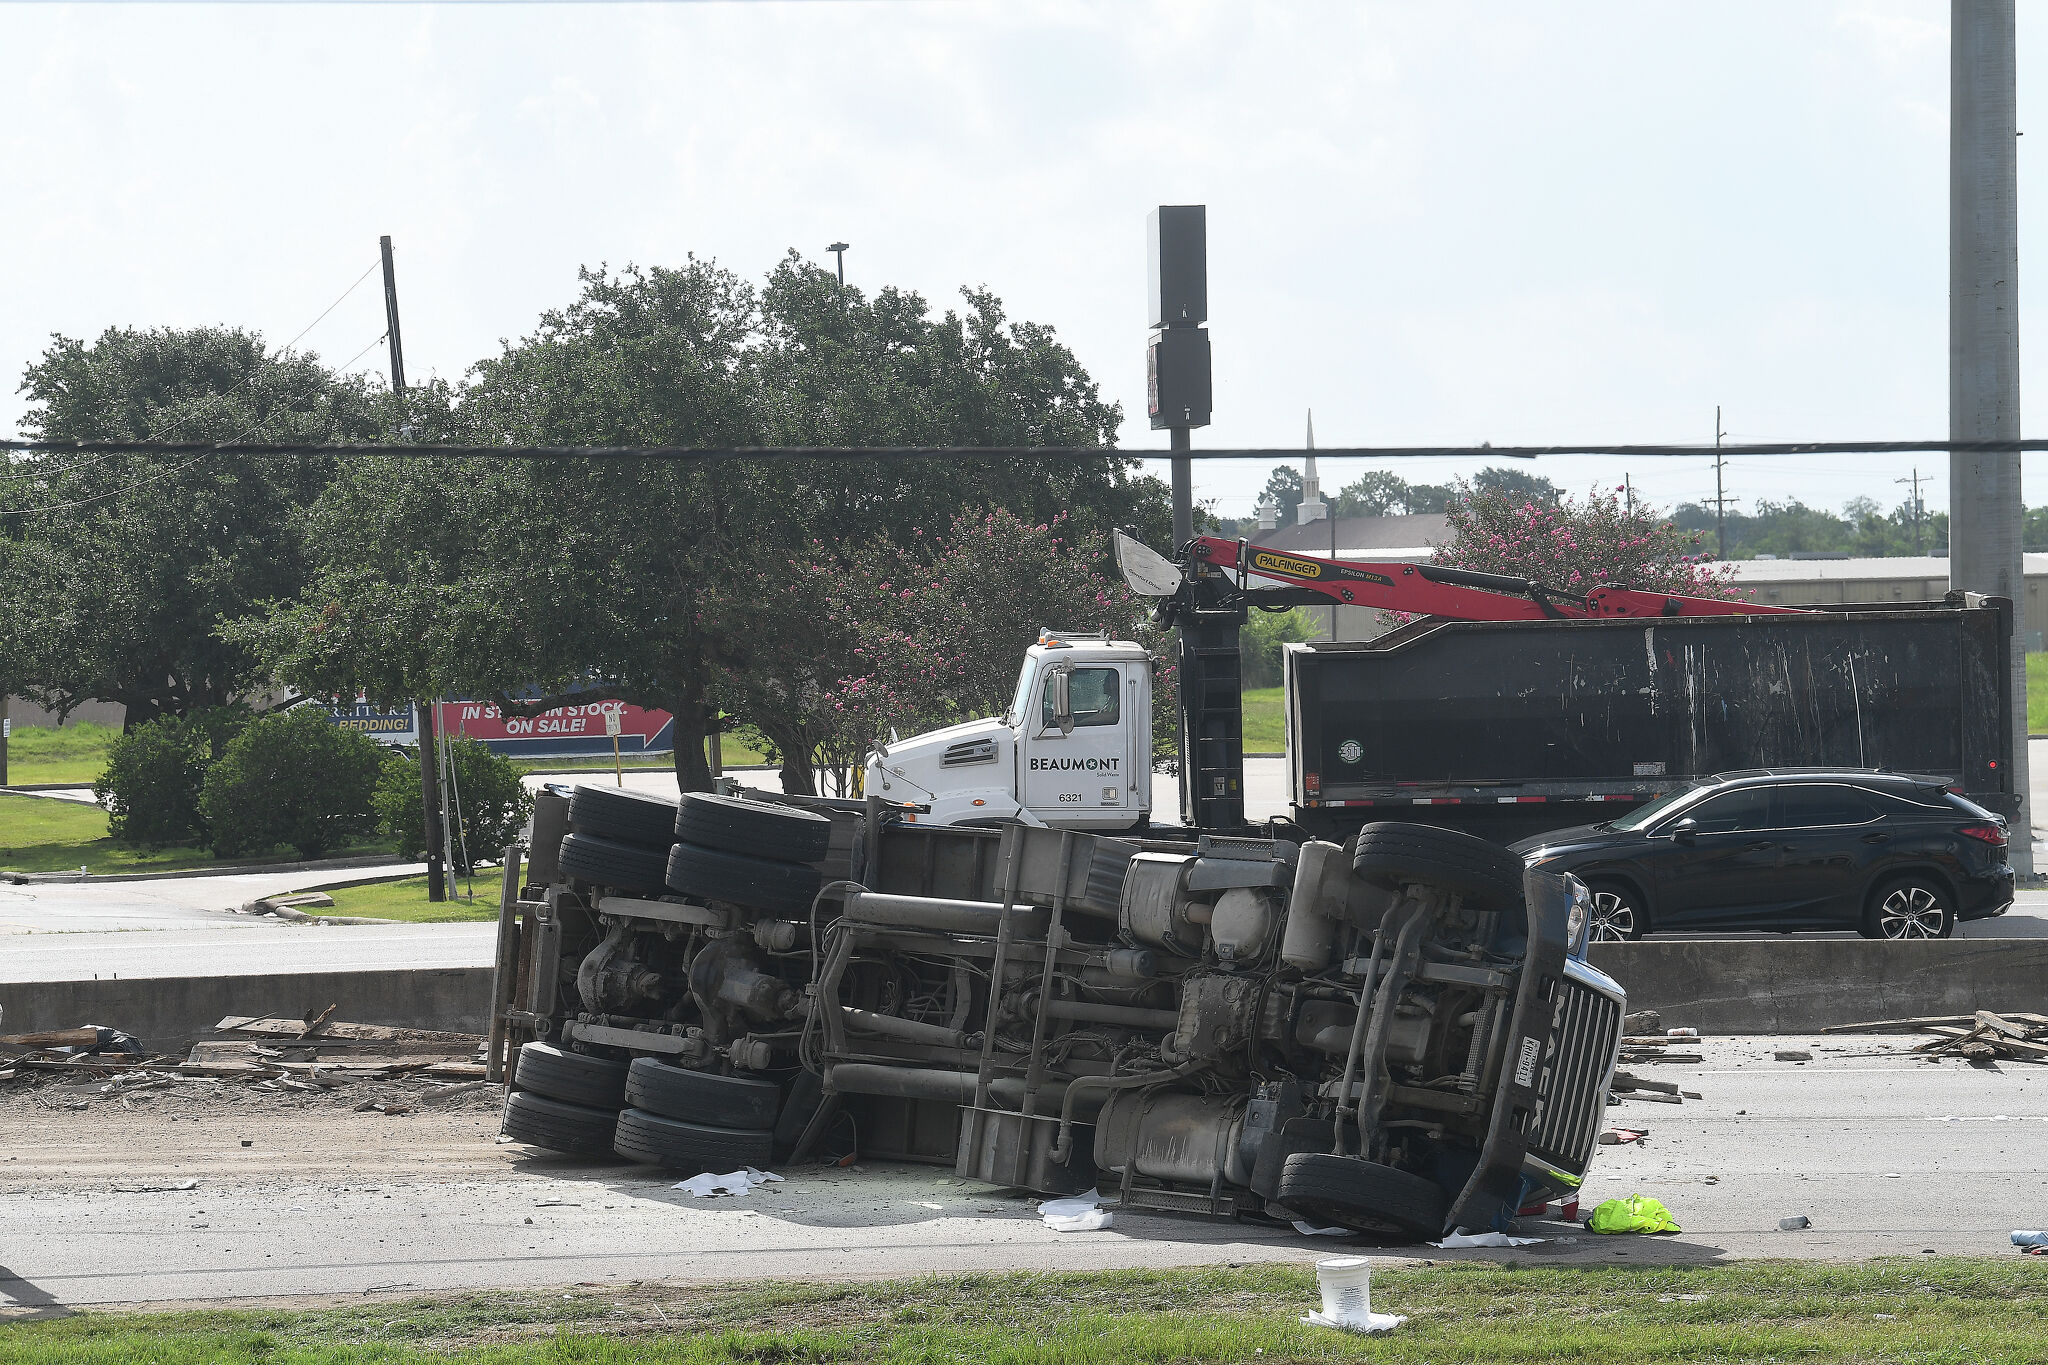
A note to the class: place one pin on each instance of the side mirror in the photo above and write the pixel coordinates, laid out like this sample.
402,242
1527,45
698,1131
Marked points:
1063,701
1686,830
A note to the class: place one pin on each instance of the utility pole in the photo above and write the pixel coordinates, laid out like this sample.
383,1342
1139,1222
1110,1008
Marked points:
839,249
430,782
1628,488
1986,511
1919,510
6,734
1720,501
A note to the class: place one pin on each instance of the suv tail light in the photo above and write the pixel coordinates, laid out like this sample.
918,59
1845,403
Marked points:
1990,834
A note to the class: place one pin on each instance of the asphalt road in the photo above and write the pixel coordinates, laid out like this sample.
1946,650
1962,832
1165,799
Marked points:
1885,1155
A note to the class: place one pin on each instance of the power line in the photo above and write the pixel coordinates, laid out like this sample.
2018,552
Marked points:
286,348
1268,455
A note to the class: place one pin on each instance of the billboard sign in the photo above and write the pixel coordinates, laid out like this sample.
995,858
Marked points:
386,727
580,729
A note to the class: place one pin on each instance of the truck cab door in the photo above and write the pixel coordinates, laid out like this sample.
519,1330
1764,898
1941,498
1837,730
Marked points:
1076,763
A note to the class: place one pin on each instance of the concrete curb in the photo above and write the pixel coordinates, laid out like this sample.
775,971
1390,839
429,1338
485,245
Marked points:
240,870
1778,985
30,787
168,1013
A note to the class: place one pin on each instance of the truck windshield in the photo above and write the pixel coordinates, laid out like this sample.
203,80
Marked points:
1644,814
1020,704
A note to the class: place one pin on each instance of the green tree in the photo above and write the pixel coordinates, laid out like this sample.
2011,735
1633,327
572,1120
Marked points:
155,773
1516,483
670,584
1263,639
118,569
1375,493
296,779
1283,486
487,804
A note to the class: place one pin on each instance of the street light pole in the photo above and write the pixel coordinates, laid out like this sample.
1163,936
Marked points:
839,249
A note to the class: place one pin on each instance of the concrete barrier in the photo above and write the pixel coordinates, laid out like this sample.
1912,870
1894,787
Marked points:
167,1013
1758,985
1782,985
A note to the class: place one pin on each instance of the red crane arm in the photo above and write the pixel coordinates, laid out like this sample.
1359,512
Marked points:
1458,594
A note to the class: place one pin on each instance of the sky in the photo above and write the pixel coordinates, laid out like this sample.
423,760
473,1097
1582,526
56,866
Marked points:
1430,223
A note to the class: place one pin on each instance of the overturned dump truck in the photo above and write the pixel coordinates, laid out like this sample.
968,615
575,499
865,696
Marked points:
1399,1034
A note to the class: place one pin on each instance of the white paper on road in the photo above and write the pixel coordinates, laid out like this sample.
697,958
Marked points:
1076,1213
1308,1229
732,1182
1458,1240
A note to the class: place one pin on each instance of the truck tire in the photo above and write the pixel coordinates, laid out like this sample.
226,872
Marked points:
655,1087
628,817
572,1077
756,828
1362,1195
1488,876
539,1121
757,883
607,862
689,1147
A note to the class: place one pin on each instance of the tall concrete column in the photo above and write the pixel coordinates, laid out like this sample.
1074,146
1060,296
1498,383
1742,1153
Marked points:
1985,504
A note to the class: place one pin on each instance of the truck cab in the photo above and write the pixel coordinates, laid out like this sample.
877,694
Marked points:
1074,750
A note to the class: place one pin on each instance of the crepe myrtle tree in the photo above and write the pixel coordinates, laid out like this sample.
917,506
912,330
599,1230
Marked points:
933,634
1578,544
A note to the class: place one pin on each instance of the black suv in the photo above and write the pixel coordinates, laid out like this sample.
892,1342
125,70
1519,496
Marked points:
1886,854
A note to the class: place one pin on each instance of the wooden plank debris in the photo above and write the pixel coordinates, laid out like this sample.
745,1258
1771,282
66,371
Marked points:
1981,1038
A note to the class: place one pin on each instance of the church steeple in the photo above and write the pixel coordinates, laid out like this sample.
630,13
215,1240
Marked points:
1313,507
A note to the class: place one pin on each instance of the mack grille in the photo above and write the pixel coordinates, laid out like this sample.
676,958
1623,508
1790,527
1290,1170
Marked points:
1584,1033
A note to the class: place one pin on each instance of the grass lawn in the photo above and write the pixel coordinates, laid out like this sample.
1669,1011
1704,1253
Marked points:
43,834
2037,694
1933,1311
1265,725
74,754
407,899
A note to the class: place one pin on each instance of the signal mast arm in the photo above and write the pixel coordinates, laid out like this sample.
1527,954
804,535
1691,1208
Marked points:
1433,590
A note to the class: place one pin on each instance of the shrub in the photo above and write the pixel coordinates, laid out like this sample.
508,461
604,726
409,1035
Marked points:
492,804
154,773
1263,635
292,779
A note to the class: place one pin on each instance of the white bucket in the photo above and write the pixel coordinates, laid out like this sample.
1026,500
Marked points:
1346,1282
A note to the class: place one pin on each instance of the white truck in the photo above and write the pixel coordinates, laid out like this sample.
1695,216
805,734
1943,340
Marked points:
1074,751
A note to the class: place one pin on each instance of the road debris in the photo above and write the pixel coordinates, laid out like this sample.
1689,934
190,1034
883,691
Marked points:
1618,1136
1794,1223
1982,1038
1459,1241
310,1056
1792,1054
731,1183
1076,1213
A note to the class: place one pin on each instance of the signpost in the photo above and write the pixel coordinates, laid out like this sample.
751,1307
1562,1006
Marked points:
612,728
577,730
